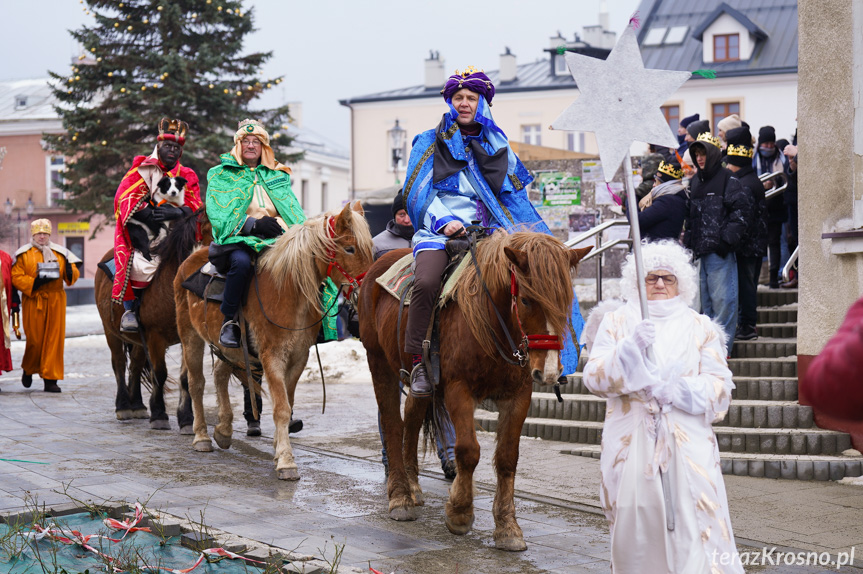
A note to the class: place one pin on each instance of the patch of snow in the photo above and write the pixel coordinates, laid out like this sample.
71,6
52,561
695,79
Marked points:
343,361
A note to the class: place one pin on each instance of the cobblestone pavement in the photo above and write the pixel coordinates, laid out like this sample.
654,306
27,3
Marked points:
341,497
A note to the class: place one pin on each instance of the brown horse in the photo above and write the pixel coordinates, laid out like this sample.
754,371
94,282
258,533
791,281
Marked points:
283,312
528,278
157,317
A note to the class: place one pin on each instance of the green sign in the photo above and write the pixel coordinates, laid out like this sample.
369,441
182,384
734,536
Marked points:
558,188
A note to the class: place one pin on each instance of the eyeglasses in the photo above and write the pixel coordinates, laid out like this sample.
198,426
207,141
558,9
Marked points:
666,279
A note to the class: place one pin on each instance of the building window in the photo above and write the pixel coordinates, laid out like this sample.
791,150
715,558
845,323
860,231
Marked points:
575,141
531,134
676,35
304,193
726,47
324,198
672,116
56,166
654,36
560,68
76,246
722,111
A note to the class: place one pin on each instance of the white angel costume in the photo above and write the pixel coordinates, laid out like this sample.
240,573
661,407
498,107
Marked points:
659,417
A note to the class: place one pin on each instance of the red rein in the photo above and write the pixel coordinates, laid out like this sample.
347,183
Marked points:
355,282
539,342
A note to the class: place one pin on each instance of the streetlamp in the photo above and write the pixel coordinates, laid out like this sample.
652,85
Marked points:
398,138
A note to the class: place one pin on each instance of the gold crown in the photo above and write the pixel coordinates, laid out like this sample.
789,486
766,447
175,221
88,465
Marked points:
40,226
669,169
176,128
706,137
468,71
249,125
740,151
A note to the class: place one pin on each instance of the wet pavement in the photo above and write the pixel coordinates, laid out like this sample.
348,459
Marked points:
340,502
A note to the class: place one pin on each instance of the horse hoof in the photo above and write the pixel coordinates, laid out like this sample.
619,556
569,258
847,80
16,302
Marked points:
419,499
125,415
289,474
403,513
140,414
460,529
160,425
224,441
203,446
187,430
510,544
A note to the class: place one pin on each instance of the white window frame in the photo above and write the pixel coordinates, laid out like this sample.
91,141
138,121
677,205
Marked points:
676,35
655,36
50,169
575,141
531,134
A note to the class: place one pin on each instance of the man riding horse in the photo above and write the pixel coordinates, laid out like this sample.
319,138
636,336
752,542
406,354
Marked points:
135,266
250,204
462,171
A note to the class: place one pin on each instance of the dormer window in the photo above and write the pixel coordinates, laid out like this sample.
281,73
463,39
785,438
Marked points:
20,102
726,47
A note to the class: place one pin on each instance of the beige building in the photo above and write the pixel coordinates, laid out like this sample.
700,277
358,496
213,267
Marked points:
29,176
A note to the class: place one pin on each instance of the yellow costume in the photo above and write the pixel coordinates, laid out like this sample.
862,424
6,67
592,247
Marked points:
44,310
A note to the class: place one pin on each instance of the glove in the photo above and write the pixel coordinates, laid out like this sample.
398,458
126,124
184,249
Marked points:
267,227
663,391
723,249
39,281
644,334
167,212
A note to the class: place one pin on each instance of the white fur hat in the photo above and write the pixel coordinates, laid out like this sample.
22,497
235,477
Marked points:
665,255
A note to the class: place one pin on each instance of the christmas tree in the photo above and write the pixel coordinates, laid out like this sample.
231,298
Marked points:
148,59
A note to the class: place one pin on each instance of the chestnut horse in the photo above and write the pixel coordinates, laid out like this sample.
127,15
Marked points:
283,311
528,279
159,327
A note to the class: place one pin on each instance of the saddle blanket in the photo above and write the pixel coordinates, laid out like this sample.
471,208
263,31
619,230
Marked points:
206,283
109,267
399,277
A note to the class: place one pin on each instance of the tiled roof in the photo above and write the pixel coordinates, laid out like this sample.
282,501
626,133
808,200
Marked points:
775,54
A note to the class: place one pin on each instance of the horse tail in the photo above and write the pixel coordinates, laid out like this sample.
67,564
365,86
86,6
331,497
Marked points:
147,375
435,422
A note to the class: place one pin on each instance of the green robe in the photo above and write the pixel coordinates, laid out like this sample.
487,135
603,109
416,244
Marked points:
230,190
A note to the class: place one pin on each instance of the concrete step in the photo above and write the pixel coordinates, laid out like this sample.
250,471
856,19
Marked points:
743,414
764,347
777,330
787,466
774,297
764,367
782,314
813,441
747,388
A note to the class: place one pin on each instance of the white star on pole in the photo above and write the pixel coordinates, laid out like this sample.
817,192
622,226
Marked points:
619,101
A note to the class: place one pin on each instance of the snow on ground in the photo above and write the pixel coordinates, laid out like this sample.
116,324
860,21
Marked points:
343,361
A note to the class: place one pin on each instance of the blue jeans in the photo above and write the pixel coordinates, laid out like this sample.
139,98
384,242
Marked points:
719,292
445,452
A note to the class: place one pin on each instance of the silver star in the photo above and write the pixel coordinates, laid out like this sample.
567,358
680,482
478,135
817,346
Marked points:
619,101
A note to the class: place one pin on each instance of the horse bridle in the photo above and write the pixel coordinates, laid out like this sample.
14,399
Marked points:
354,282
528,342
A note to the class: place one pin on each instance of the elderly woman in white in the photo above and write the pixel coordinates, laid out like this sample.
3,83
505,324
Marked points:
659,417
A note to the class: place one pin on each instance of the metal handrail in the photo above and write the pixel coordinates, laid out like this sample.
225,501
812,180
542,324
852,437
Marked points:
599,248
767,176
774,192
790,264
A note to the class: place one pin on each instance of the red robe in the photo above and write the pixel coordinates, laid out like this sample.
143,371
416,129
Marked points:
6,285
132,195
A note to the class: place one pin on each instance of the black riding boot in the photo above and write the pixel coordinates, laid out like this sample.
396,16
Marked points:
229,336
253,425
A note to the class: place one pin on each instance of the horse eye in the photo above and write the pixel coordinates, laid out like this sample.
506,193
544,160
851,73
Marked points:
524,301
350,250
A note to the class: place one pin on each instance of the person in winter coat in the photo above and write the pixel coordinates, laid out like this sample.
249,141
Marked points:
649,165
399,230
768,159
682,133
753,247
664,208
6,310
715,224
660,411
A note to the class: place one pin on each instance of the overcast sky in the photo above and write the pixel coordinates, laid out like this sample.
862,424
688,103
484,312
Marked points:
335,49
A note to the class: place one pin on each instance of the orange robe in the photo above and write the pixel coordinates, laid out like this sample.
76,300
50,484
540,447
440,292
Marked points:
44,314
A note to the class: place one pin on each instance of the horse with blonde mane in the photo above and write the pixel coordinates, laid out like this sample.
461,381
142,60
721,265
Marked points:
283,312
528,279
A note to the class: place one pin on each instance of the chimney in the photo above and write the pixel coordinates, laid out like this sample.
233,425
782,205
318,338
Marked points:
435,76
603,14
295,110
508,68
556,41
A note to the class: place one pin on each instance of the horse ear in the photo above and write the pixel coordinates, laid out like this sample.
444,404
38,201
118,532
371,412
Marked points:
343,219
576,255
518,258
358,207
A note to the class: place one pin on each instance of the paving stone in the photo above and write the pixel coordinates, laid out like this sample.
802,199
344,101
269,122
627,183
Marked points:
774,416
804,416
788,469
777,391
767,444
828,444
789,416
726,465
837,470
756,468
805,470
772,469
746,417
821,470
798,444
813,443
734,416
853,468
740,467
759,416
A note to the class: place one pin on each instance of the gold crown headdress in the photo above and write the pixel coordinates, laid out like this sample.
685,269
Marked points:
706,137
249,125
669,169
468,71
173,130
40,226
740,151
